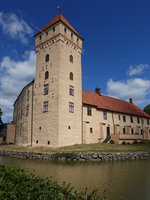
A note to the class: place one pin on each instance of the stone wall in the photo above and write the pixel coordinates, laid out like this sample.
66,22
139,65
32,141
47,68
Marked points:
78,156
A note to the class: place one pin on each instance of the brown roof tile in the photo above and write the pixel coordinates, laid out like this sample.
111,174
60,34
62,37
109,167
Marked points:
112,104
61,18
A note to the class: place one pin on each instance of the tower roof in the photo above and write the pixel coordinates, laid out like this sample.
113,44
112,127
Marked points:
56,19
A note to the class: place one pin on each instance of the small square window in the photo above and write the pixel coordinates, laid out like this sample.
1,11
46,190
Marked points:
124,118
71,107
39,128
89,111
105,115
91,130
45,106
71,90
69,127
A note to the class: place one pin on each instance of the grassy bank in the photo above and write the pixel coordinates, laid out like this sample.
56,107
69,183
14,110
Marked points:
145,146
20,185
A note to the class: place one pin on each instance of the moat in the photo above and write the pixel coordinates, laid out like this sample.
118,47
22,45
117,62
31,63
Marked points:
126,180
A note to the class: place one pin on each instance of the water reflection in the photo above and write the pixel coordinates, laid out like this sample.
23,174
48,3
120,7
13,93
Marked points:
125,180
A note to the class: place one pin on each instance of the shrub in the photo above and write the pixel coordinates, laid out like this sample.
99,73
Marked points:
112,142
123,142
16,184
135,142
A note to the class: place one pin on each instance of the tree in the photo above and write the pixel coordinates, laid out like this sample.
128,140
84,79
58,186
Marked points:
147,109
1,123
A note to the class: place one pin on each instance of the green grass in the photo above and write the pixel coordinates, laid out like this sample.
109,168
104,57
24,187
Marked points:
145,146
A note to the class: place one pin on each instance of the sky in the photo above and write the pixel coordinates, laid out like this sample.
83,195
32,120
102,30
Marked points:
116,46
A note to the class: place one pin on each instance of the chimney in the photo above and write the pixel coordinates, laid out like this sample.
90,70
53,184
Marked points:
98,91
130,100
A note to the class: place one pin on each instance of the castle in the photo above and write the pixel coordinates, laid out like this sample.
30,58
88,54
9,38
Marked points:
53,110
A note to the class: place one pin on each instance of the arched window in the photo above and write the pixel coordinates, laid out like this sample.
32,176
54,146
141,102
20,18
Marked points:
46,75
71,58
71,76
47,58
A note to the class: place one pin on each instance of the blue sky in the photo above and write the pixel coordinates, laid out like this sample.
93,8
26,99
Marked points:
116,49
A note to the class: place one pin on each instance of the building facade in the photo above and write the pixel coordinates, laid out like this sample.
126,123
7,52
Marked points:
53,110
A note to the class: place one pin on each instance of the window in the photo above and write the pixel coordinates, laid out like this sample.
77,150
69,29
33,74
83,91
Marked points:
119,117
142,121
138,120
53,29
91,130
45,106
124,118
131,119
71,90
46,75
40,128
28,95
71,76
46,33
71,107
77,39
71,58
27,110
47,58
132,131
69,127
104,115
40,37
141,132
124,131
71,34
65,29
45,89
37,141
48,142
89,111
147,121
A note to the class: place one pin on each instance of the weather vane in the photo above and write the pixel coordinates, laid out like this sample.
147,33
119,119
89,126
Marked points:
59,9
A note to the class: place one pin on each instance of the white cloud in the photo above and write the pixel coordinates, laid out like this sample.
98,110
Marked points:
136,88
137,70
14,75
14,27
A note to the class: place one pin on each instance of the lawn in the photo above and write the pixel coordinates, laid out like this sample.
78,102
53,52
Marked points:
145,146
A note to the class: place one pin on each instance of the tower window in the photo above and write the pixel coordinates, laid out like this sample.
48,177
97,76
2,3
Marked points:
71,76
91,130
45,106
27,110
46,75
89,111
65,29
45,89
48,142
71,107
53,29
37,141
47,58
71,90
71,58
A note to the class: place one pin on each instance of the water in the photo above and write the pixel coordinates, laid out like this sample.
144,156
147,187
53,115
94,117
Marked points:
125,180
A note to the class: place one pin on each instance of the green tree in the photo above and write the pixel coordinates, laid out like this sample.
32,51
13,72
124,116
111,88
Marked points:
147,109
1,123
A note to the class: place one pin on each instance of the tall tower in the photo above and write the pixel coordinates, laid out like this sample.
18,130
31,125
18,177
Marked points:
57,110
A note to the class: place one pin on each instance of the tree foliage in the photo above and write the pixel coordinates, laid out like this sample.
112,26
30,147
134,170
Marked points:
147,109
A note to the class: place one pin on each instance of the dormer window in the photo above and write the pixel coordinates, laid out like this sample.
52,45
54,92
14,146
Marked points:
47,58
46,75
71,58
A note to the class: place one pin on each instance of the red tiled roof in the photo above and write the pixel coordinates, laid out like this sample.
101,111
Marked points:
61,18
112,104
